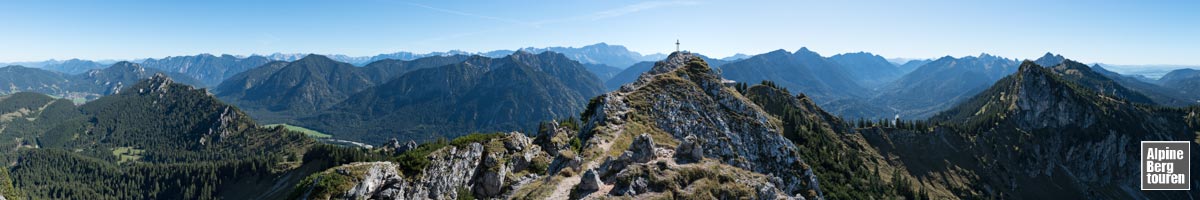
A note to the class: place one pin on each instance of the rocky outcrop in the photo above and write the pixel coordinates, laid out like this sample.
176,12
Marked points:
376,178
225,124
679,98
553,138
488,169
395,146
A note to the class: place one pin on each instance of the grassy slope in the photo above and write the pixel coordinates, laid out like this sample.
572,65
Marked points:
306,131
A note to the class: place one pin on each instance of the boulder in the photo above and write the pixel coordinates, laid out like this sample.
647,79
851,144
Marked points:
691,150
563,161
635,187
590,181
516,142
489,182
642,149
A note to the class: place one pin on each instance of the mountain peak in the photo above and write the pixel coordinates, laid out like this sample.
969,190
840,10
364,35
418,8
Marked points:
681,98
778,52
315,57
123,66
1028,66
806,51
674,61
1050,59
13,67
157,83
521,52
125,63
1041,97
160,79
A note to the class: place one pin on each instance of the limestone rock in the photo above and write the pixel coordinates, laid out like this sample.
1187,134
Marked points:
553,138
642,149
375,178
488,183
590,181
690,150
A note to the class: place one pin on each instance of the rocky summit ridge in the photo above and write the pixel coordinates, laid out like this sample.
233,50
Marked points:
677,131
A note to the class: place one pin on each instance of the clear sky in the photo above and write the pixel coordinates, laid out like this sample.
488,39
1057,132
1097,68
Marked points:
1116,32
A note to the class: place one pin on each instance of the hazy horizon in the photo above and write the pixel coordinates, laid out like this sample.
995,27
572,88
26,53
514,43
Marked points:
1116,33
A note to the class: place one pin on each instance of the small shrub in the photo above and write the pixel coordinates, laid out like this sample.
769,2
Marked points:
465,194
576,144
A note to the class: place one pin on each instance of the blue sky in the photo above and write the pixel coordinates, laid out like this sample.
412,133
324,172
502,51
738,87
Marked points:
1117,32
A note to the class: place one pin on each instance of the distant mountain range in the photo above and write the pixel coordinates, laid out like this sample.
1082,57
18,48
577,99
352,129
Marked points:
89,85
1186,81
911,65
868,70
600,53
73,66
854,85
394,98
602,59
680,130
863,85
1149,72
479,94
280,90
207,68
940,84
803,71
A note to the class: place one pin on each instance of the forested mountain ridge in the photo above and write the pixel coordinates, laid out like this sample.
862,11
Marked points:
479,94
312,83
132,143
868,70
803,71
1186,81
1159,94
1083,75
16,78
941,84
120,75
1037,118
284,91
